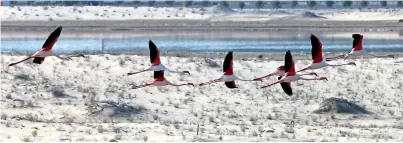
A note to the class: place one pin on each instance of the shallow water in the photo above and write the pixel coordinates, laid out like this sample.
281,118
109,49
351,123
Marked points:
202,43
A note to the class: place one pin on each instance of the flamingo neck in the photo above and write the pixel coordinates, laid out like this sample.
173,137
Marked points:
337,65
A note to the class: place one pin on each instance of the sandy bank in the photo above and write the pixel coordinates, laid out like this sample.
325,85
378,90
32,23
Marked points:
55,99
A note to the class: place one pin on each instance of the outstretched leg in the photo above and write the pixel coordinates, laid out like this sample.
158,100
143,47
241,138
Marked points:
141,86
210,82
182,84
273,83
304,69
249,80
260,78
335,58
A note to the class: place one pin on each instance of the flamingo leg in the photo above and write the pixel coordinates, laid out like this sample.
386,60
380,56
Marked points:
260,78
272,84
12,64
182,84
141,86
210,82
248,80
335,58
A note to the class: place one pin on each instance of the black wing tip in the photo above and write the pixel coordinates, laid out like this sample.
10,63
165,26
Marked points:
229,54
37,60
356,36
230,85
313,37
288,53
59,29
151,44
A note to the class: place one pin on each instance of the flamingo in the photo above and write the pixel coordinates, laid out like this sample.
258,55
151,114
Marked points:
317,56
159,80
228,76
280,72
290,75
46,50
156,64
358,49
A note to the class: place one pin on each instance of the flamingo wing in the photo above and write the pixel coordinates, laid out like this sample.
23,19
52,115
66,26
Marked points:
47,46
154,53
357,42
231,84
286,87
289,66
316,49
227,67
38,60
280,68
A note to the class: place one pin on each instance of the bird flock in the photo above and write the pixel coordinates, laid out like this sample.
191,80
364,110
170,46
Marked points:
286,73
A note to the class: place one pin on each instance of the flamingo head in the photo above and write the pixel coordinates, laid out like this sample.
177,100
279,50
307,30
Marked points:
81,55
352,63
323,78
186,72
391,56
313,73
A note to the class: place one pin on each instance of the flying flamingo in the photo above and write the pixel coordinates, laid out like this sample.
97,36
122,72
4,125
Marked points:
46,50
290,75
317,56
156,64
280,72
159,80
228,76
358,49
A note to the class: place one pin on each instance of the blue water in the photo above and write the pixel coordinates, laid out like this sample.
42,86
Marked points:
197,45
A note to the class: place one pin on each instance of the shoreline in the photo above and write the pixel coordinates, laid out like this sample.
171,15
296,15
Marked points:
207,25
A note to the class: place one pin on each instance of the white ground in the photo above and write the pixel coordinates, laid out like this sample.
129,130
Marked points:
52,13
172,113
